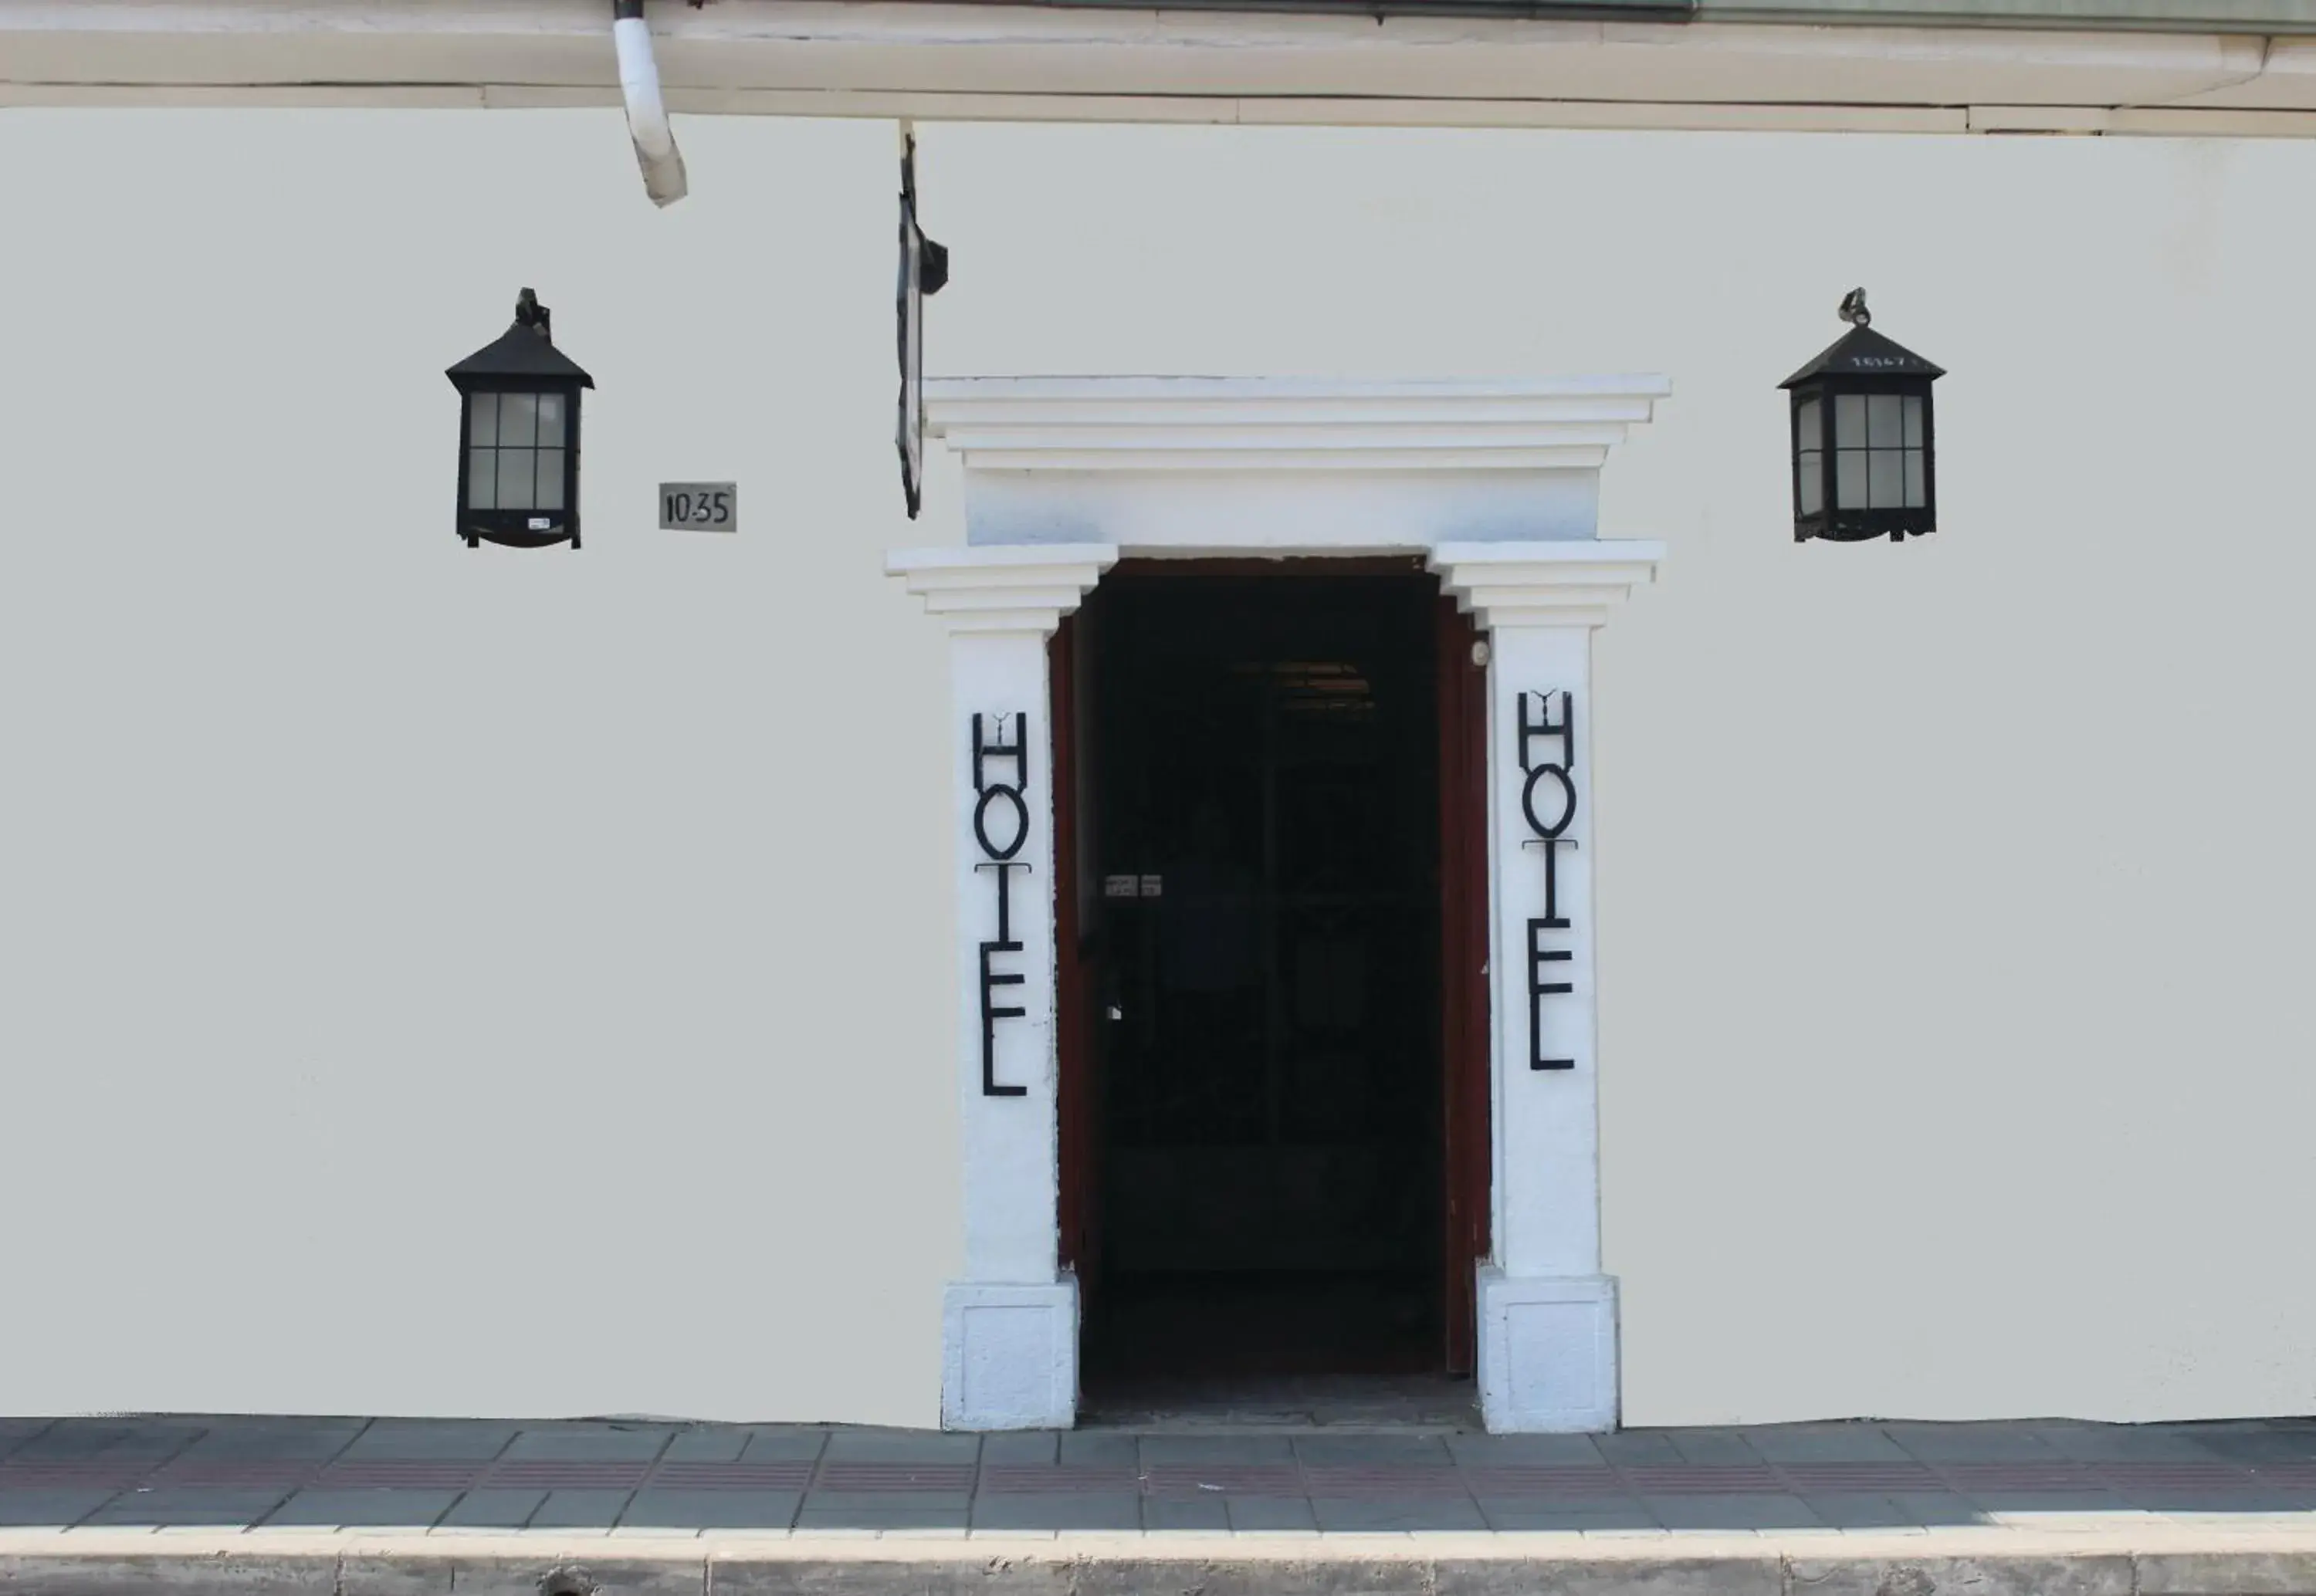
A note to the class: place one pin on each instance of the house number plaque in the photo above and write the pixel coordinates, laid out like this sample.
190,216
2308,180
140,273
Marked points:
699,507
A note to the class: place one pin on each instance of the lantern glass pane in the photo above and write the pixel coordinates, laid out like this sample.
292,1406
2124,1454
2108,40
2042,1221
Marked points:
1811,489
1884,425
482,419
1809,423
550,479
518,420
1849,480
515,469
1918,494
1886,479
1849,420
550,421
482,480
1913,421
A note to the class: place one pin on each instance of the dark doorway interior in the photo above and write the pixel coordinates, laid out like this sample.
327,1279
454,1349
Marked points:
1257,839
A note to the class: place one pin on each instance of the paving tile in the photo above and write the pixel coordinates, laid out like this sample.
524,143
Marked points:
1575,1451
189,1505
1217,1449
1160,1513
2128,1443
875,1500
1858,1510
492,1509
901,1446
1112,1510
47,1508
301,1440
785,1444
1972,1443
361,1508
711,1443
1730,1511
1100,1448
1337,1514
2208,1505
588,1443
1269,1513
1942,1508
1715,1447
1526,1514
1824,1443
1020,1447
883,1515
87,1440
1376,1451
1625,1447
712,1509
2254,1443
448,1441
16,1433
2040,1507
579,1509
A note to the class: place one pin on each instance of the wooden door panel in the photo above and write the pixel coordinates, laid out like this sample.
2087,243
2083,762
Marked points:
1463,980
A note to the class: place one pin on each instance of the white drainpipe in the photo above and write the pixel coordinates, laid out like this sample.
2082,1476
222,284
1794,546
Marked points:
655,151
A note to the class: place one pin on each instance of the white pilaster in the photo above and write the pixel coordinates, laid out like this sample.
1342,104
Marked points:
1009,1328
1548,1339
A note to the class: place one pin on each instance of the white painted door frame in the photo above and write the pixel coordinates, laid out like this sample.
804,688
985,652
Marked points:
1496,486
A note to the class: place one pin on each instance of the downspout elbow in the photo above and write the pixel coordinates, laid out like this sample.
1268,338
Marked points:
647,125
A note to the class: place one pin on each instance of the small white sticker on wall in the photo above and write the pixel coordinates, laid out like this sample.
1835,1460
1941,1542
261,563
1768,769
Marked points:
1121,886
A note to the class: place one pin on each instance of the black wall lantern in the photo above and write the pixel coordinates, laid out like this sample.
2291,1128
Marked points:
519,437
1865,459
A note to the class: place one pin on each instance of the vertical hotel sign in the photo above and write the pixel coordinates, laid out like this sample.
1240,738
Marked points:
1548,807
1000,825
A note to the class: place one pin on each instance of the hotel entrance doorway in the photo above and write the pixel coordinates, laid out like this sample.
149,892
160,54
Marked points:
1269,827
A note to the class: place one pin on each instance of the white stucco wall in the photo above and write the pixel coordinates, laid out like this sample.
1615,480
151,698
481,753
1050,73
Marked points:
497,982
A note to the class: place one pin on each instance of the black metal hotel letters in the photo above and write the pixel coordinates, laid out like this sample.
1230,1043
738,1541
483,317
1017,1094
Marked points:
1000,862
1549,837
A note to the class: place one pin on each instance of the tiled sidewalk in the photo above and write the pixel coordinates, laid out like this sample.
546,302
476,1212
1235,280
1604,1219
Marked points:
445,1478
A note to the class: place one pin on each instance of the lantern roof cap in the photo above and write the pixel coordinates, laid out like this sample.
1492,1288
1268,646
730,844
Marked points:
526,351
1863,352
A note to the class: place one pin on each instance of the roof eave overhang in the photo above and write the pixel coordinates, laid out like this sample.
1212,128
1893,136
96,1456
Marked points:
1119,63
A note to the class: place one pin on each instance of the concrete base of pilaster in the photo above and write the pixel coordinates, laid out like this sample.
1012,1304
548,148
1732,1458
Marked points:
1010,1356
1547,1353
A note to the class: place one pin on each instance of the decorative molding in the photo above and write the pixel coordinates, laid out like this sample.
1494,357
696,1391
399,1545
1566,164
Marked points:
1016,588
1571,583
1256,424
